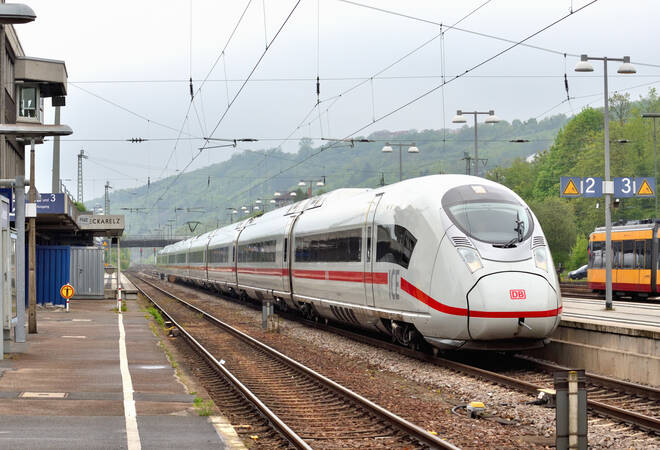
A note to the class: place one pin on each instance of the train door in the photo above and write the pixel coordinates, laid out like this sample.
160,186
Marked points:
369,247
644,277
617,268
287,255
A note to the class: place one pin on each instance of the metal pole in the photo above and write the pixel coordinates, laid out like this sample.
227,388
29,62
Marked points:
476,151
608,213
56,156
19,330
32,249
400,163
655,168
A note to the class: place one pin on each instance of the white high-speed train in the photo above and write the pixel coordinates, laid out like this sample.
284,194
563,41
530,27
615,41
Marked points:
458,261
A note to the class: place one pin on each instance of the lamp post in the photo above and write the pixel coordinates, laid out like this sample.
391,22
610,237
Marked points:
608,186
412,148
320,182
231,211
459,118
655,155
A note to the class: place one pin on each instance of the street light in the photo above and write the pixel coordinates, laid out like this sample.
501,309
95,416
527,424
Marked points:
318,182
16,13
608,186
460,118
655,157
412,148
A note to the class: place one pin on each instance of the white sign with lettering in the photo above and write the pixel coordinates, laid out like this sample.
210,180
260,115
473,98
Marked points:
101,222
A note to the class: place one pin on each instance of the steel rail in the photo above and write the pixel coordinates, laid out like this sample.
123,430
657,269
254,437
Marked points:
278,423
414,430
644,422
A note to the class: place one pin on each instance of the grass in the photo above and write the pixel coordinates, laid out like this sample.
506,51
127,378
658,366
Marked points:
203,407
156,315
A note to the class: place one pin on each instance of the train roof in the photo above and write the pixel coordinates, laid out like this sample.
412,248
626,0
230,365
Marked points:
410,189
631,225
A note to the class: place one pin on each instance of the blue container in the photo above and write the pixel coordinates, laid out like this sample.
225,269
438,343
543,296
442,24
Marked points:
52,272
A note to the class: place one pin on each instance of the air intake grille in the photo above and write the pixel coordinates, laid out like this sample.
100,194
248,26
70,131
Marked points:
461,241
538,241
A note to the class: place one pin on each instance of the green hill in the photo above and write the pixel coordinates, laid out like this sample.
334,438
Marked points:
203,195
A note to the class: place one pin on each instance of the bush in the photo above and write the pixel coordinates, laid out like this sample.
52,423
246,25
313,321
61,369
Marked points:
578,256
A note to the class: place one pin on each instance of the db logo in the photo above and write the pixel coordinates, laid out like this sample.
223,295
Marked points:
517,294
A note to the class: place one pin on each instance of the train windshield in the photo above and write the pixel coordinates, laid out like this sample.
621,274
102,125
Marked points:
488,213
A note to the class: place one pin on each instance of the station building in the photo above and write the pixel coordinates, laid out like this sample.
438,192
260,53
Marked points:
65,241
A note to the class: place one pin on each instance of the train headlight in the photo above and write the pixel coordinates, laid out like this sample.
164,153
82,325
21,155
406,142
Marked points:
471,258
541,258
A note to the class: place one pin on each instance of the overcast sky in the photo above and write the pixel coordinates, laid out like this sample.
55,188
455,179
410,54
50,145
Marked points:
138,55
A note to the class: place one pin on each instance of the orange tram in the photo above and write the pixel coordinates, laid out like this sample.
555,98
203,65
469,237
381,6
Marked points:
635,262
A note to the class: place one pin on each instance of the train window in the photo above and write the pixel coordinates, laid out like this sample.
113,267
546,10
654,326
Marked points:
628,255
171,259
180,258
263,251
488,213
338,246
616,254
394,244
640,253
219,255
597,255
196,257
286,242
368,244
649,254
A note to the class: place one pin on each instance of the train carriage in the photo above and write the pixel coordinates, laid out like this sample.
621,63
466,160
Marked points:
221,259
458,261
634,259
197,259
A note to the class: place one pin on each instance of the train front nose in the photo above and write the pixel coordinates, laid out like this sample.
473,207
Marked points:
512,305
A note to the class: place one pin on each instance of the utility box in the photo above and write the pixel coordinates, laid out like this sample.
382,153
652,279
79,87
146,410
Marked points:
87,272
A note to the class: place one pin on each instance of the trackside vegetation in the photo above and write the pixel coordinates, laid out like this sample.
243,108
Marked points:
577,150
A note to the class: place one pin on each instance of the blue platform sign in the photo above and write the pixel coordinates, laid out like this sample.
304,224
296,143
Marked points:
569,187
641,187
50,204
590,187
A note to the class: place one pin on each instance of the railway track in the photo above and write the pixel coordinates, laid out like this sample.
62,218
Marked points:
305,408
579,289
628,403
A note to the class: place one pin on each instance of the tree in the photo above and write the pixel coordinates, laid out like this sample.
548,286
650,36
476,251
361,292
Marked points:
620,106
558,222
578,256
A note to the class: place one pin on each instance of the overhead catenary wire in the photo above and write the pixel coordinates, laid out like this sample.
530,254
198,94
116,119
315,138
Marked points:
190,104
224,114
123,108
356,78
428,92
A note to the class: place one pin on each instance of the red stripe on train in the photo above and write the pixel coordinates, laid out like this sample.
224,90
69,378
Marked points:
438,306
342,275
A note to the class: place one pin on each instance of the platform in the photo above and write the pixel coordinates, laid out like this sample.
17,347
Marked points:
129,292
623,343
75,388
